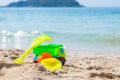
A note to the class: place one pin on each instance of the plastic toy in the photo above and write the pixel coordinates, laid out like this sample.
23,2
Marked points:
35,59
56,50
51,64
44,56
36,42
52,56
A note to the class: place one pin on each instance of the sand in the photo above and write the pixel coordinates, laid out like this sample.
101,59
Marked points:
77,67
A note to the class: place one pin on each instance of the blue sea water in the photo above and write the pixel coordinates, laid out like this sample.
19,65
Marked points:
78,29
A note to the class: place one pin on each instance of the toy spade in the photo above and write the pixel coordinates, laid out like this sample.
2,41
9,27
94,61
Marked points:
36,42
51,64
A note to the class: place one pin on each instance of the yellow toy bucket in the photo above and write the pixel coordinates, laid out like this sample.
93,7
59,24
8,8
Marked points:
51,64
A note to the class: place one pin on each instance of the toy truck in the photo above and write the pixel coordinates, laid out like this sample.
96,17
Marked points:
56,50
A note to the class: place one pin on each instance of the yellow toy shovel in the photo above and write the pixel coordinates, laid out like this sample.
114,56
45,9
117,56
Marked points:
36,42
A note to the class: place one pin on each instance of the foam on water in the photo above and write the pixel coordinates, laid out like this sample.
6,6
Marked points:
75,42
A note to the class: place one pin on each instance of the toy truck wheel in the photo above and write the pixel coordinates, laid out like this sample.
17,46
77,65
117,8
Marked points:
35,59
62,60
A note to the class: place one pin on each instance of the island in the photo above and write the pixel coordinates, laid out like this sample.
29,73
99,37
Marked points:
45,3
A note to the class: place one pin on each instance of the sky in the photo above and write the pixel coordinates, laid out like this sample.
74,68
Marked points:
88,3
100,3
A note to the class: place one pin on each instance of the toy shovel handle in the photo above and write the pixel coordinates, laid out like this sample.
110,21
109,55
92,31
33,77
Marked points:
26,52
20,59
37,41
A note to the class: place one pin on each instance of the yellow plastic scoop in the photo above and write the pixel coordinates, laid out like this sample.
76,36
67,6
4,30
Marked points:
51,64
36,42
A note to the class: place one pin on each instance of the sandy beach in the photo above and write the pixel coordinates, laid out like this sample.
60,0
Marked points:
77,67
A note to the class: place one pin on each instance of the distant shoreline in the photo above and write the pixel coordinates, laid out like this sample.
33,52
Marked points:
40,7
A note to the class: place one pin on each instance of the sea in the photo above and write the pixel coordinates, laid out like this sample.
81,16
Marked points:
78,29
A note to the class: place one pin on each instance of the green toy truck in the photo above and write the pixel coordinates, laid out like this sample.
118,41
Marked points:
56,50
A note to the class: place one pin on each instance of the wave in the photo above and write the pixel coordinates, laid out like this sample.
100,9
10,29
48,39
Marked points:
22,39
87,37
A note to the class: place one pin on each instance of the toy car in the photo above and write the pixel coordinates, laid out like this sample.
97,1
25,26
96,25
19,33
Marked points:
56,50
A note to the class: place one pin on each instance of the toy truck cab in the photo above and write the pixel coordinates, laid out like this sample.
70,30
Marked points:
56,50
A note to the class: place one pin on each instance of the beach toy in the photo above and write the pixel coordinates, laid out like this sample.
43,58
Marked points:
44,56
35,59
51,64
39,59
62,60
55,50
36,42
